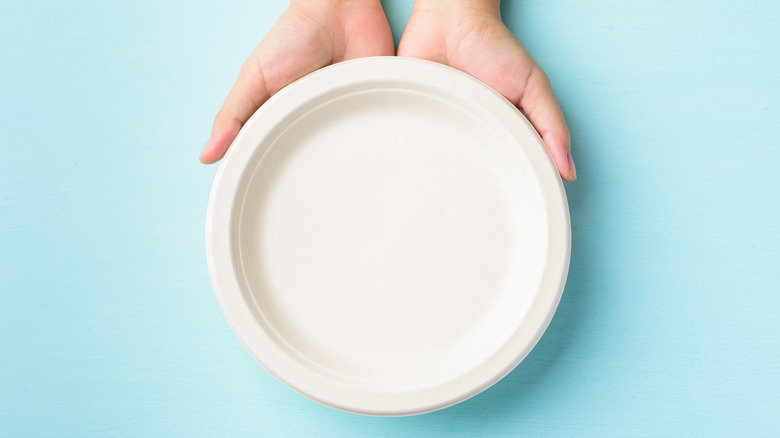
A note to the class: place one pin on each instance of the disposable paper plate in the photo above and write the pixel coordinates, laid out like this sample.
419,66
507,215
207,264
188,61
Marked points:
388,236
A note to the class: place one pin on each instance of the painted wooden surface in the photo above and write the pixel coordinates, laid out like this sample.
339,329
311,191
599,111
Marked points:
669,323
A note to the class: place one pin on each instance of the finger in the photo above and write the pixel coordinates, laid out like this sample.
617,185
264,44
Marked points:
539,104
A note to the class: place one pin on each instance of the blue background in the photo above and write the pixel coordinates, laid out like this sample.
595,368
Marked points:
669,322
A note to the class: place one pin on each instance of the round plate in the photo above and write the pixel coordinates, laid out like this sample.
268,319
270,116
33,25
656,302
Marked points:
388,236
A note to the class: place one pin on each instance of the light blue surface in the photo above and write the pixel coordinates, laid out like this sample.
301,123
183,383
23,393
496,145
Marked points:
669,324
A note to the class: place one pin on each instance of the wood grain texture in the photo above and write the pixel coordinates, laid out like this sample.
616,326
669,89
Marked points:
668,325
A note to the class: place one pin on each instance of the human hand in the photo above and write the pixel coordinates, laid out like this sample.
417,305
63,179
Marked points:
470,36
309,35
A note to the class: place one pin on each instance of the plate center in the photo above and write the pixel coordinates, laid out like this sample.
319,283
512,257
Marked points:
380,241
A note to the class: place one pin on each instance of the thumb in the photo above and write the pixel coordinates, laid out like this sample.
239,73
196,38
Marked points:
249,92
272,66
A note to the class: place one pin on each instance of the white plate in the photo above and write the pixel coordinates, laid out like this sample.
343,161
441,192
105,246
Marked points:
388,236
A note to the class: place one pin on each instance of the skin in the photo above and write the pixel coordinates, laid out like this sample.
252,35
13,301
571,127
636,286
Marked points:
465,34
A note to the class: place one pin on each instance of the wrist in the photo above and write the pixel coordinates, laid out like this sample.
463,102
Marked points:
326,7
330,3
488,8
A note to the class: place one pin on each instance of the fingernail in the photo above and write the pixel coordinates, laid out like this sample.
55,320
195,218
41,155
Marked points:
206,148
571,165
